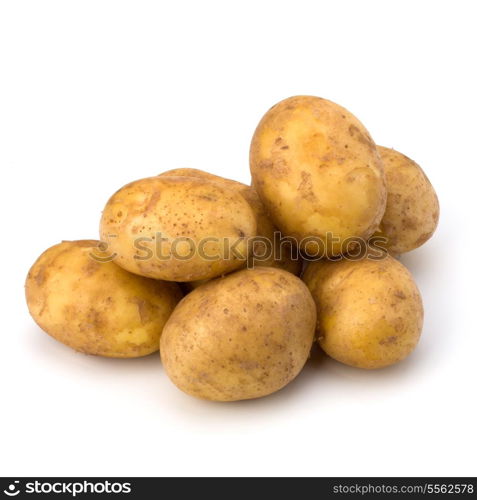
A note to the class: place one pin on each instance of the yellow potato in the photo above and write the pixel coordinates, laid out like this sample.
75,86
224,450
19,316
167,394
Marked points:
96,307
178,228
412,208
263,253
369,311
318,173
240,337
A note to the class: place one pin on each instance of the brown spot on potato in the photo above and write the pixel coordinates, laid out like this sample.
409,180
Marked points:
255,285
40,276
156,195
95,320
389,340
91,267
409,223
355,132
280,167
265,164
400,294
249,365
142,308
352,129
306,186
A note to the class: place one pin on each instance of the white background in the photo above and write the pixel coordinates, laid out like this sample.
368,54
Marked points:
94,94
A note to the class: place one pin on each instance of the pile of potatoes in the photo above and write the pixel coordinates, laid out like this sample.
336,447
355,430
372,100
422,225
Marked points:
234,283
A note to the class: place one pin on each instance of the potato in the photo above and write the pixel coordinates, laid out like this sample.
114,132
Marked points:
240,337
412,207
263,253
178,228
369,311
96,307
318,173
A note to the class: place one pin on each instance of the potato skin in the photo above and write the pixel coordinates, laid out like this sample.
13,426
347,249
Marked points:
265,226
369,311
97,307
202,174
412,207
240,337
187,210
318,173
